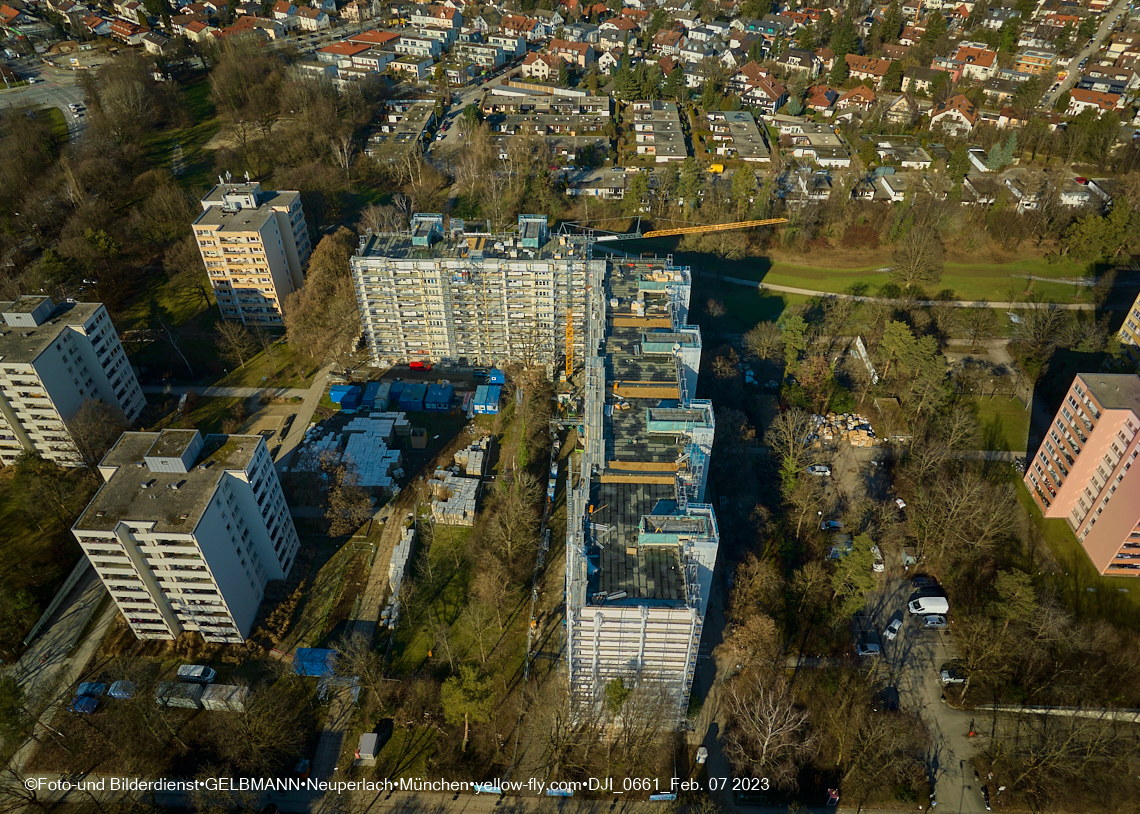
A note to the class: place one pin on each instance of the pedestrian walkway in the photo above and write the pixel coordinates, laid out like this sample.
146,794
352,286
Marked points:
214,391
807,292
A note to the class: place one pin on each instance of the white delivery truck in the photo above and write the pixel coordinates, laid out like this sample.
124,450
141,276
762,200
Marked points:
928,604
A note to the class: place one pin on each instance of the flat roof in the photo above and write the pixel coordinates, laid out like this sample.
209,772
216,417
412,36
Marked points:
1115,391
177,511
23,345
643,572
399,245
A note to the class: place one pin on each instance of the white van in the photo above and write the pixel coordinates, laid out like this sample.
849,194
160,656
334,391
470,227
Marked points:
196,674
929,604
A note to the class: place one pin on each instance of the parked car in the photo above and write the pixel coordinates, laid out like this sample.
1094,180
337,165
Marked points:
922,581
952,672
934,621
196,674
819,469
831,525
893,629
868,649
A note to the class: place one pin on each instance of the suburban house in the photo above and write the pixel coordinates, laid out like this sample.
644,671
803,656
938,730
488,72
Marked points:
867,68
860,97
956,115
541,66
1082,100
978,62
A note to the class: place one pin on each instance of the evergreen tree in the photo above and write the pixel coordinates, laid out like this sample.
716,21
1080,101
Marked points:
892,24
936,28
894,78
839,71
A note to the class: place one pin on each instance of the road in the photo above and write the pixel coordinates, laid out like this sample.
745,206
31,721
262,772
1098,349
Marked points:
1106,26
54,88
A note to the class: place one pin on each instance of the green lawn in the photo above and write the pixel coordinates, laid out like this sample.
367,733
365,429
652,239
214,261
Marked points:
197,162
205,413
160,298
980,281
1087,594
58,123
1004,423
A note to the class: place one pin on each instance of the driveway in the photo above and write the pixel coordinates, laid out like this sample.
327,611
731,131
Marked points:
911,665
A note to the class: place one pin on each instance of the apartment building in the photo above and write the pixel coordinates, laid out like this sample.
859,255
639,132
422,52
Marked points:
1085,469
657,129
187,531
441,294
52,359
255,245
641,543
1130,332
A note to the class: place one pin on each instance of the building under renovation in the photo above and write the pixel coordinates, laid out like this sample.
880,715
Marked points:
641,556
445,294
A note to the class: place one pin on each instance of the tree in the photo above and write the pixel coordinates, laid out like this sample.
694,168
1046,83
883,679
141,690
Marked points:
795,342
349,506
323,316
765,340
787,443
959,163
478,618
13,720
768,734
513,527
467,697
1017,599
839,71
94,429
236,343
637,195
743,190
980,325
269,731
183,263
918,258
894,77
936,28
853,577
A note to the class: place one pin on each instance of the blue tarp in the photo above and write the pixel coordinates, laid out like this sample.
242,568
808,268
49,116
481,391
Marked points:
412,397
438,398
122,689
339,391
312,661
84,704
91,688
496,376
370,392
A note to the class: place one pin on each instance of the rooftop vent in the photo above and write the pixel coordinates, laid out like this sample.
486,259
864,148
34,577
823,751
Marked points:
183,517
144,485
100,513
174,487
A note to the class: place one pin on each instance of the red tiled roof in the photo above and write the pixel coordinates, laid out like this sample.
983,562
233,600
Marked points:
374,37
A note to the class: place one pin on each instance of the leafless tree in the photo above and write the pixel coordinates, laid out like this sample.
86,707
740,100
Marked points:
381,218
787,439
94,429
918,258
769,734
477,620
236,343
349,506
765,340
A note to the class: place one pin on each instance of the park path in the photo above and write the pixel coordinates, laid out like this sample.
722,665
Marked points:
807,292
214,391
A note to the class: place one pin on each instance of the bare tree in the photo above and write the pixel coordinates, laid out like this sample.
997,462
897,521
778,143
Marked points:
769,734
918,258
235,342
94,429
787,439
477,620
492,586
349,506
269,730
323,317
765,340
381,218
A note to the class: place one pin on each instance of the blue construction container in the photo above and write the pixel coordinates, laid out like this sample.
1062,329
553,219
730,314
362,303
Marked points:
94,689
394,392
412,397
122,689
339,391
438,397
496,376
83,704
487,399
371,390
313,661
351,399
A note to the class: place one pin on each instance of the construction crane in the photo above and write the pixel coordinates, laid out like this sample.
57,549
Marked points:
713,227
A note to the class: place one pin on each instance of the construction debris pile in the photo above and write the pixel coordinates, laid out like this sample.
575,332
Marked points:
850,428
397,568
363,444
473,460
453,498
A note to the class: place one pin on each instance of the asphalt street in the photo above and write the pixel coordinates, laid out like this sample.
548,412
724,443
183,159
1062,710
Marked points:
53,88
1106,24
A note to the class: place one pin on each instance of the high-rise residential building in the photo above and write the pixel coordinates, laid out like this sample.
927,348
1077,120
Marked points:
1130,332
1085,469
444,294
255,245
641,542
187,531
52,359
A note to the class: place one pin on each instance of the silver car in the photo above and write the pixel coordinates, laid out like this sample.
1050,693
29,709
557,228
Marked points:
934,621
893,629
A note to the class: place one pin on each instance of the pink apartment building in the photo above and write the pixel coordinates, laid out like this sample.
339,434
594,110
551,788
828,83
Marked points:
1084,469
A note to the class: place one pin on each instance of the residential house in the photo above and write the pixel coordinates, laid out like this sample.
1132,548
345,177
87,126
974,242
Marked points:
956,115
196,31
417,46
373,59
96,25
356,11
921,80
341,52
543,67
948,65
576,53
617,33
442,17
826,58
529,28
867,68
978,61
415,68
155,43
668,43
903,110
512,46
1081,100
283,9
800,61
1000,91
821,98
896,52
767,94
694,52
997,16
1035,61
312,19
374,38
860,97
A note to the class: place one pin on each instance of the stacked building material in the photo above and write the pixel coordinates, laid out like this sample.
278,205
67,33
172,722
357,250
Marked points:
848,428
473,460
401,555
178,694
453,498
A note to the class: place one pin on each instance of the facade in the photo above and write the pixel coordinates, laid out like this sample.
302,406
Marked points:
445,295
52,359
255,245
186,532
1130,332
641,544
1084,470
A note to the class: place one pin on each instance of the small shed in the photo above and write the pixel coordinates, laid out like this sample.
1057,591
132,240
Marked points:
122,689
487,399
496,376
312,661
438,397
179,694
225,698
338,391
371,390
368,747
412,397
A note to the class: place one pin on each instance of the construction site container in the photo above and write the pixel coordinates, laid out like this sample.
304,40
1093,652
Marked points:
371,390
178,694
438,397
338,392
122,689
313,661
94,689
487,399
412,397
367,750
395,389
351,399
496,376
225,698
83,704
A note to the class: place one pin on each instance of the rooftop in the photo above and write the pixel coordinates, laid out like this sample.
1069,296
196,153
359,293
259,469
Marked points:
173,501
1117,391
23,345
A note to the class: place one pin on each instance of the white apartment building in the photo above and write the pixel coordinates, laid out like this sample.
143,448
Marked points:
255,245
52,359
446,295
641,544
187,531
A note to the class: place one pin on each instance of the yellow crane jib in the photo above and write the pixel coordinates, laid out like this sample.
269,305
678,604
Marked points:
713,227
